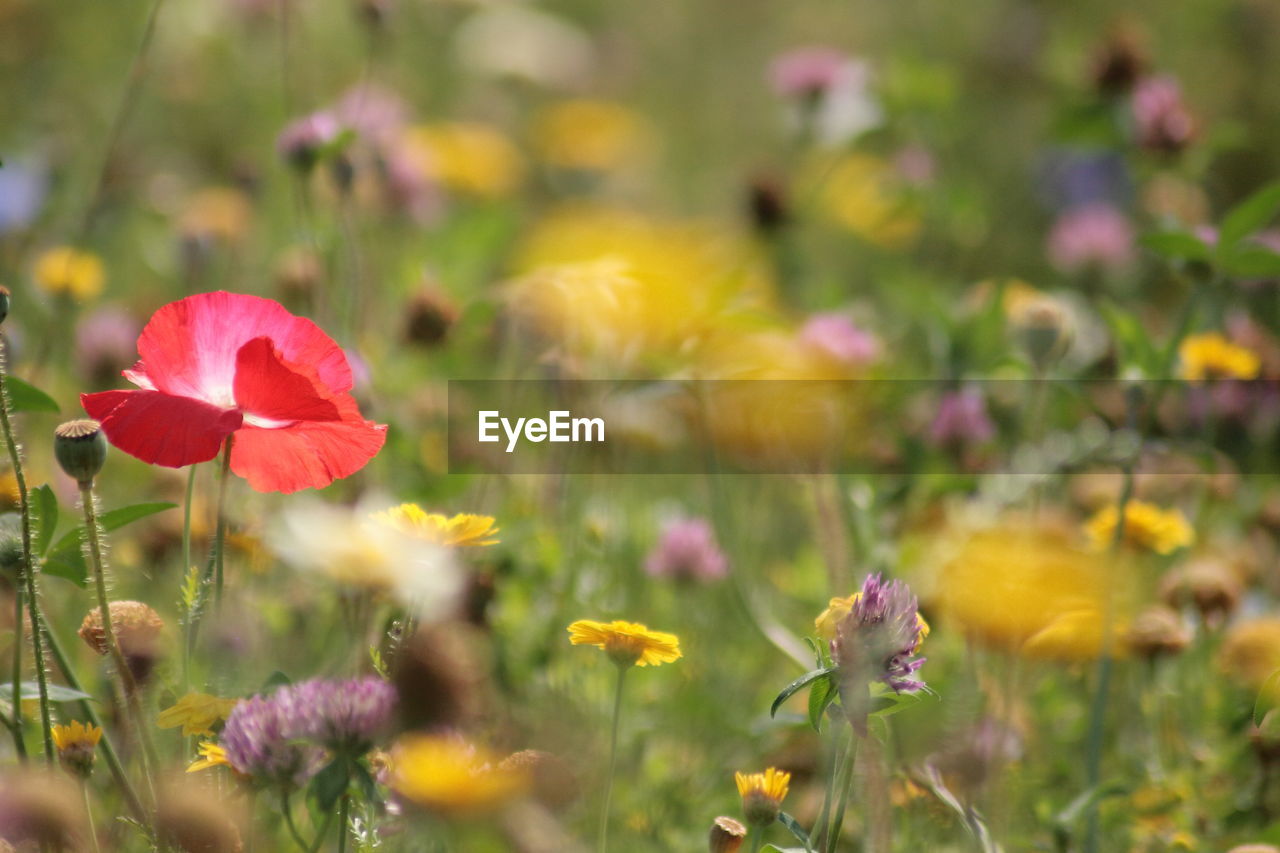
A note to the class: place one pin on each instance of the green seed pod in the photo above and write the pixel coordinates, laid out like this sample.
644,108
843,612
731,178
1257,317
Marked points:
81,449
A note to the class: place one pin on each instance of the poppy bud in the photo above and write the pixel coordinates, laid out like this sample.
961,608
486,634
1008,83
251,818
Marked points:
81,449
4,303
1044,332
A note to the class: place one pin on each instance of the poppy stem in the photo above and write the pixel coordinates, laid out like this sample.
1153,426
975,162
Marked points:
128,686
28,569
220,532
603,844
188,570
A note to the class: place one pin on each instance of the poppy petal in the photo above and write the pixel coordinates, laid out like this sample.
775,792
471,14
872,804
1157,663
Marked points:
189,347
162,429
306,454
266,387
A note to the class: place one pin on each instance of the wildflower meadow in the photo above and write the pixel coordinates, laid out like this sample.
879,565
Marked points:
465,426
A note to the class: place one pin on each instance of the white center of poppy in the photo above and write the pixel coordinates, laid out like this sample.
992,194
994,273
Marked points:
266,423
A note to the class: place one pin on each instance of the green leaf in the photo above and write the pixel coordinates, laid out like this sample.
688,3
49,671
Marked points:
797,685
1248,217
796,829
116,518
1267,696
44,505
31,690
821,695
25,397
1179,245
1250,261
68,565
331,783
885,701
274,681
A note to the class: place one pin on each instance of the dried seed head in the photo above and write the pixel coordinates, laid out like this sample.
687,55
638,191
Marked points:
1158,631
81,449
39,810
727,835
554,783
439,678
137,629
192,821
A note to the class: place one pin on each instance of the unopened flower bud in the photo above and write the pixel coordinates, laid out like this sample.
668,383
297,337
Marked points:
81,449
4,303
727,835
429,317
77,747
1044,332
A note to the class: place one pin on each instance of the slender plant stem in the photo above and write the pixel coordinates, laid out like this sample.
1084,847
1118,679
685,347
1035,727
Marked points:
128,686
86,707
603,844
220,531
287,811
837,764
15,725
757,838
186,573
324,830
88,813
28,569
842,797
344,814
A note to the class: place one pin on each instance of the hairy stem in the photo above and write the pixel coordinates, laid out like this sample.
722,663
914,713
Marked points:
603,840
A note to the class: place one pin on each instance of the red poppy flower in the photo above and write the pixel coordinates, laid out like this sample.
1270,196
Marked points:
218,364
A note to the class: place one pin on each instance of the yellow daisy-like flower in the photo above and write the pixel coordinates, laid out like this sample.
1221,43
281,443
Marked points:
211,755
451,777
217,213
76,743
196,713
838,608
1211,356
593,136
463,529
67,271
1145,526
627,643
466,157
762,794
866,196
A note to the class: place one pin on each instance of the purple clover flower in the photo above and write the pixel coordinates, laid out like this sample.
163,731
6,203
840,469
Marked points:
877,641
345,716
961,419
259,742
687,551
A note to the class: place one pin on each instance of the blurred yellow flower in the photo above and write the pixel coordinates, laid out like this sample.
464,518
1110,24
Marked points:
865,195
196,713
1145,526
211,755
1250,652
466,157
216,213
624,288
64,271
627,643
1027,587
589,135
1211,356
76,743
762,794
462,529
838,608
451,777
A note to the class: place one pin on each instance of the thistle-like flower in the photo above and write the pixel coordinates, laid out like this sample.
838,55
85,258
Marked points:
258,742
877,641
345,716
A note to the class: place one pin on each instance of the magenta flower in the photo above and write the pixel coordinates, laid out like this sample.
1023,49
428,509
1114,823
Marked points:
961,419
345,716
1091,236
301,141
1161,118
877,641
837,336
259,742
687,551
808,72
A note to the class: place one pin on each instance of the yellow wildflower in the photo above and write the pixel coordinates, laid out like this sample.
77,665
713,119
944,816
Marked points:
76,743
460,529
627,643
1145,526
1211,356
216,213
864,195
467,157
64,271
762,794
211,755
589,135
196,713
1250,652
838,608
1028,588
451,777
